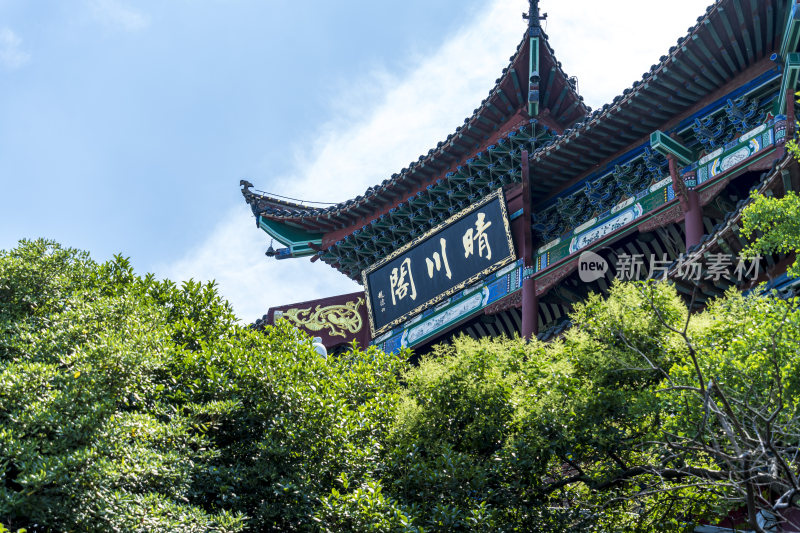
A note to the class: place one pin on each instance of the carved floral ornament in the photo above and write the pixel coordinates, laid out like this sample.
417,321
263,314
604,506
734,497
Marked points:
339,320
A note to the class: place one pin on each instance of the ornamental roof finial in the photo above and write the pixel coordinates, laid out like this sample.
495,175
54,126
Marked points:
532,16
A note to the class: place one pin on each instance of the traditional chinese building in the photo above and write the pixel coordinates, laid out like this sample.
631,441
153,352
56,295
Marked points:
488,232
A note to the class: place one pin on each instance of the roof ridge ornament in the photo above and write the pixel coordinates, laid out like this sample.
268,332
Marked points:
534,32
533,17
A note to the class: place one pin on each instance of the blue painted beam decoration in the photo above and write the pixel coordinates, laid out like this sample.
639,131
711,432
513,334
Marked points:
736,152
456,253
741,151
599,227
459,307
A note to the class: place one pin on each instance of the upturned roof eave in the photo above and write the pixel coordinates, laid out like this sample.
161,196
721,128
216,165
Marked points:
279,209
638,103
354,215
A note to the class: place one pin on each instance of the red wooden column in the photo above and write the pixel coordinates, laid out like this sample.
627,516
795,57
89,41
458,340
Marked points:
690,203
530,301
693,219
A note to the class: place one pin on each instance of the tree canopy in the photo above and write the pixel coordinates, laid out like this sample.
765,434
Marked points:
133,404
773,225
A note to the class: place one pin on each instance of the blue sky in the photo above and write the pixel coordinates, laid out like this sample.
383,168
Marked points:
126,126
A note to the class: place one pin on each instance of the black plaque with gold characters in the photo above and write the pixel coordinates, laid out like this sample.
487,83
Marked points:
449,257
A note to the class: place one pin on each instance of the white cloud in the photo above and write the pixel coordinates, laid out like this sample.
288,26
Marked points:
384,121
370,139
405,118
610,44
233,255
115,14
11,54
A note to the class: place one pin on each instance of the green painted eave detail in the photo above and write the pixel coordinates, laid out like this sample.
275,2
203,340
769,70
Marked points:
791,34
667,146
533,66
287,235
791,69
301,250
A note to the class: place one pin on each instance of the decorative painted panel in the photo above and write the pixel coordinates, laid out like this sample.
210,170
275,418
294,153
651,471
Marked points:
453,310
336,320
736,152
586,238
595,229
724,159
623,178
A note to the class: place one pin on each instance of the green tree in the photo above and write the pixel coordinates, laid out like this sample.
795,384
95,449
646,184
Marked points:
641,418
772,224
132,404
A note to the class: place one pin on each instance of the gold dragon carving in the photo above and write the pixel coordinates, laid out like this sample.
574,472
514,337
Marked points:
338,319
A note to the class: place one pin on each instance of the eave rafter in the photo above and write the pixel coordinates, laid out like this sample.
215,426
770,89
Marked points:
487,170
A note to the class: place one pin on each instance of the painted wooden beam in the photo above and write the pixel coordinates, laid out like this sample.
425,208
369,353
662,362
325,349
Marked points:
496,110
561,95
517,88
679,84
791,33
665,145
791,70
669,96
701,67
756,28
710,58
692,74
568,110
551,76
489,123
530,301
505,99
770,38
722,49
732,37
787,180
743,25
